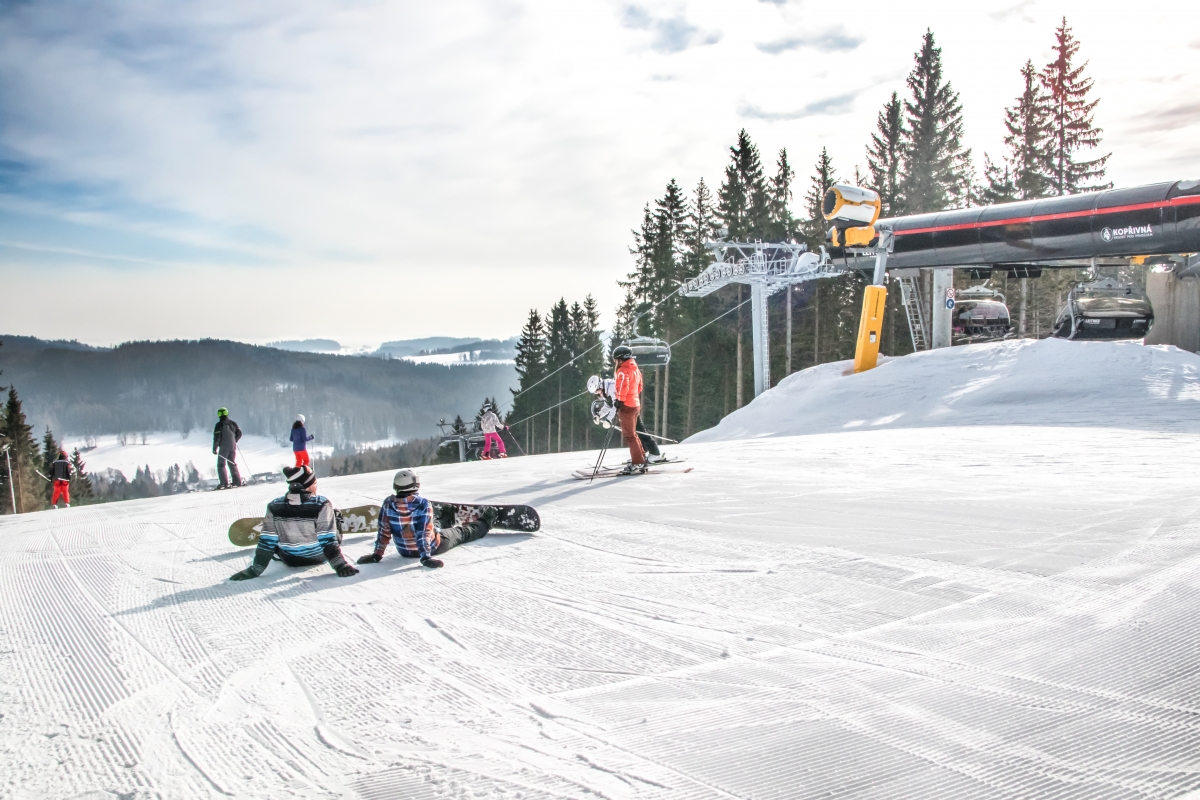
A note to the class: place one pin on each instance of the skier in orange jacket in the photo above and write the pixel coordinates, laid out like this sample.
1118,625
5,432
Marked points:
629,405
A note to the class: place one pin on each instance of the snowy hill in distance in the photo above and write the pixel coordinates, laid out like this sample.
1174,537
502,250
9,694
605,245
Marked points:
990,596
1018,382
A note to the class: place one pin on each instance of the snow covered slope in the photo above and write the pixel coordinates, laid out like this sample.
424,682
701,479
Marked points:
1021,382
977,611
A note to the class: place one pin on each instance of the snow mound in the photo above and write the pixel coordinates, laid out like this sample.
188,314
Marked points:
1021,382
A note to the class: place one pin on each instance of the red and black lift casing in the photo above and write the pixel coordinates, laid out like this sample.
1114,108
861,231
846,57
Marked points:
1157,219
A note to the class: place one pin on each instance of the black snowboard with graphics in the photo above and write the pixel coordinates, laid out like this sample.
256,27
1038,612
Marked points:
363,519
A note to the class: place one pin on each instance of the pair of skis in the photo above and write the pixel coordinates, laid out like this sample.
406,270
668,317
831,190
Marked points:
622,471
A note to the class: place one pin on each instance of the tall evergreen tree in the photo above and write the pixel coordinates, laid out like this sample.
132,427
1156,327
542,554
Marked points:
935,163
531,368
81,482
783,224
1000,187
24,457
1071,120
50,451
885,155
1028,142
824,176
743,200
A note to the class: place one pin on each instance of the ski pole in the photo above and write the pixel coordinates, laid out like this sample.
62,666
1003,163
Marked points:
660,438
601,458
43,477
514,438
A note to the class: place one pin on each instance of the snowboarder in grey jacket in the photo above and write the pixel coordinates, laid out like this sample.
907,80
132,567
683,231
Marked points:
226,435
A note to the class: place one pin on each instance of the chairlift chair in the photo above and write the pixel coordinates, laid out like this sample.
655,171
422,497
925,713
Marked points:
1104,310
980,314
649,351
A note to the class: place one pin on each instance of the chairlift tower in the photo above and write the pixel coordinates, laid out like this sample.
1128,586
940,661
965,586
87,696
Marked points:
767,267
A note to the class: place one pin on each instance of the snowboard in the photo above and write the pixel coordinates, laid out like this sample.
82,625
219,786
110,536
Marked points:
364,519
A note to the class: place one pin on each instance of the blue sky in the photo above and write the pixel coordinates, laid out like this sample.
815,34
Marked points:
288,170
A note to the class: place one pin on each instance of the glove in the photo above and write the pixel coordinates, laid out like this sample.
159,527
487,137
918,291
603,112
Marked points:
214,451
490,515
432,563
370,558
244,575
618,404
346,570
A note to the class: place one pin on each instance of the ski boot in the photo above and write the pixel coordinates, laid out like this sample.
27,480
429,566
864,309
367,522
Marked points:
634,469
658,459
503,455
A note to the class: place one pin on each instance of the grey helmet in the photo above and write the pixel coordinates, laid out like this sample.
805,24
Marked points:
406,482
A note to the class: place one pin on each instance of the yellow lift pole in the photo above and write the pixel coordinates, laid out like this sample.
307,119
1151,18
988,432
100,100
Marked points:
853,212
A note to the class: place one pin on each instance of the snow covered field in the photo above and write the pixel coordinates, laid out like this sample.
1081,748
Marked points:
258,453
1002,605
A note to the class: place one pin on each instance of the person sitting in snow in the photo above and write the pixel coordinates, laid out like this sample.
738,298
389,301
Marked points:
300,440
604,413
408,518
490,424
301,528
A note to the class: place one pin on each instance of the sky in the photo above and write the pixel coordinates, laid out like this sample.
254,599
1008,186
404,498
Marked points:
372,171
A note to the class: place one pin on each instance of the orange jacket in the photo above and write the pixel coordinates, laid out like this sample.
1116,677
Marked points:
629,384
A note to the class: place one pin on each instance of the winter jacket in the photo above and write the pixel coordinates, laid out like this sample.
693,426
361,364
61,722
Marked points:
300,439
300,527
61,470
226,434
489,422
410,520
629,384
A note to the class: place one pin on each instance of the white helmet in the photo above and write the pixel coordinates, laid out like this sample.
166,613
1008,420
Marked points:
300,418
406,482
594,384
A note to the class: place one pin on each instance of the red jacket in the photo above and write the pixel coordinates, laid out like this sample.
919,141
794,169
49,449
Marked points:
629,384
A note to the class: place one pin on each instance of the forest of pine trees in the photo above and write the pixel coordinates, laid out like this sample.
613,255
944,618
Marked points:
915,159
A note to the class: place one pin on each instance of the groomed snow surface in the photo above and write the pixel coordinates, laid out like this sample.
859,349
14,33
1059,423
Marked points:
993,594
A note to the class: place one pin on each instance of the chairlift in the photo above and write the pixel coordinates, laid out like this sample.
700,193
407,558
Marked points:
980,314
649,351
1104,310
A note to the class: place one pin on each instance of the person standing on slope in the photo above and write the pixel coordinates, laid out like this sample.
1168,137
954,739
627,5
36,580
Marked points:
301,528
60,474
490,424
628,390
226,435
408,518
300,440
605,389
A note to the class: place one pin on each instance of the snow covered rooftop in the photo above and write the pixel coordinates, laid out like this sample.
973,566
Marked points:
971,608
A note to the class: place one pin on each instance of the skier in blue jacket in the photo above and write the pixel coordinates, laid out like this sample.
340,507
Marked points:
300,440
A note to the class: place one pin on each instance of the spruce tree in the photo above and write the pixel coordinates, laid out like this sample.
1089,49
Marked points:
743,201
24,457
50,450
824,176
1071,120
531,368
1000,187
782,223
81,482
885,155
1028,143
935,163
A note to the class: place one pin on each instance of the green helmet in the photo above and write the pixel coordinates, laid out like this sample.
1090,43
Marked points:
222,412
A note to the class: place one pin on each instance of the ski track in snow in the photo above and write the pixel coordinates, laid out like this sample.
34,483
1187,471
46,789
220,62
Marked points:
980,611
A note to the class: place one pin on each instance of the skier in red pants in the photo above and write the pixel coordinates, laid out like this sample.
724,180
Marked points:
629,405
60,473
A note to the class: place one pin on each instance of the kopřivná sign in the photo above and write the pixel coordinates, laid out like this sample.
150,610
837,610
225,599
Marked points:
1128,232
